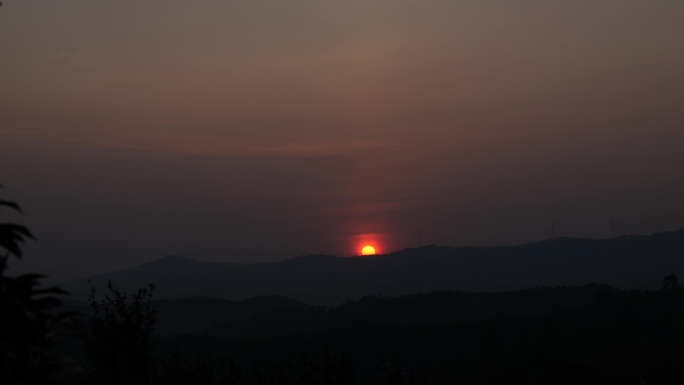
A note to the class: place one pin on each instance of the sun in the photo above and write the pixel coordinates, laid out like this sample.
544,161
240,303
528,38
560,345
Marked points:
368,250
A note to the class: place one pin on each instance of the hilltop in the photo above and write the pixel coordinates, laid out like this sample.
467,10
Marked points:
625,262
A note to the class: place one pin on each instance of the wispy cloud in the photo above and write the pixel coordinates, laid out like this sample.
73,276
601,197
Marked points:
209,145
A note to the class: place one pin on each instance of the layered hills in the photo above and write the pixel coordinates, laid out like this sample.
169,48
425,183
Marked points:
625,262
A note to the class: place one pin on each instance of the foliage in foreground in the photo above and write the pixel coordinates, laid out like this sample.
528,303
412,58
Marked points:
28,315
118,344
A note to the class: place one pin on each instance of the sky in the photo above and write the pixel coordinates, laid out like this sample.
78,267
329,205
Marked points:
255,131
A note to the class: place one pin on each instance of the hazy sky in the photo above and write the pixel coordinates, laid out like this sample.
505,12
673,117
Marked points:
257,130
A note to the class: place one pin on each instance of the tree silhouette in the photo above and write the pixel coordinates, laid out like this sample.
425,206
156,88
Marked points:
119,342
28,316
670,282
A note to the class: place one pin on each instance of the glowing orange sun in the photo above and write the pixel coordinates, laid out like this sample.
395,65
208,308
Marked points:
368,250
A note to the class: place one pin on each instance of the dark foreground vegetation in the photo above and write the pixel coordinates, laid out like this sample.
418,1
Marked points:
627,337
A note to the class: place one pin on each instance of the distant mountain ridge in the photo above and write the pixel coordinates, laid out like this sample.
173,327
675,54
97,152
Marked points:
624,262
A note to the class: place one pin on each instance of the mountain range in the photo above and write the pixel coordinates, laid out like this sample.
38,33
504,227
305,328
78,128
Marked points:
625,262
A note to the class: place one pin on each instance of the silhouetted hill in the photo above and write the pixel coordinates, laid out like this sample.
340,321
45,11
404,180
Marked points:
428,308
624,262
634,337
279,315
202,314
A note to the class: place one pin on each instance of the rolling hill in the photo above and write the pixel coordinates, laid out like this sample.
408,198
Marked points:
625,262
